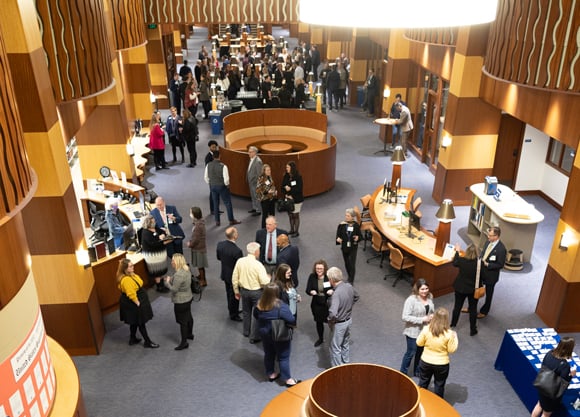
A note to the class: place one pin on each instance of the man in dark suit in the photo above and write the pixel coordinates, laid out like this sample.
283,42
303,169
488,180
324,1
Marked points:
493,259
168,218
268,246
252,174
228,253
289,255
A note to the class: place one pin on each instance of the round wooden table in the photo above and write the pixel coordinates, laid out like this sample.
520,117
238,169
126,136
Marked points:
276,147
385,121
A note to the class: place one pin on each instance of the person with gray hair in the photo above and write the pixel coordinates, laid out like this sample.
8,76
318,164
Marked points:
248,279
348,235
254,171
340,316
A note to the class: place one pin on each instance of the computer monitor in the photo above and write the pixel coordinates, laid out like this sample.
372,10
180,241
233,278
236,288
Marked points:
141,202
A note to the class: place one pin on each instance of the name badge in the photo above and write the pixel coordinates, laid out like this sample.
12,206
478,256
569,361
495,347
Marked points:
350,229
293,183
326,284
267,182
492,258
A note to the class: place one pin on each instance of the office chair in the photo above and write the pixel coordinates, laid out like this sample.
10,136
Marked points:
400,262
364,219
379,245
98,224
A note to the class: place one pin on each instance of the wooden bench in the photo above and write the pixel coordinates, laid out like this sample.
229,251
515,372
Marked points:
302,136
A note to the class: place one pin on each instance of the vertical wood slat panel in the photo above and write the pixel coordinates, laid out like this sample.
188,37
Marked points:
128,24
536,46
78,60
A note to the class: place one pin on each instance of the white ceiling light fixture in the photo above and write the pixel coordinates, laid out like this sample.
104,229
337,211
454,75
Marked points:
397,14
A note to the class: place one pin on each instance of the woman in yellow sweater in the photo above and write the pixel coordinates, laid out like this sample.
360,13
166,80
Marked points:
438,341
134,306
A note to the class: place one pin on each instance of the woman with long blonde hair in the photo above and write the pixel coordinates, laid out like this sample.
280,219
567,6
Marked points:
180,287
438,341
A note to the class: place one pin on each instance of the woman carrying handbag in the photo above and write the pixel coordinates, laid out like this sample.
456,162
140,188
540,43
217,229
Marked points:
465,284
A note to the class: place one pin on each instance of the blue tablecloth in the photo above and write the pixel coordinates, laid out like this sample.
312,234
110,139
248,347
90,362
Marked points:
520,357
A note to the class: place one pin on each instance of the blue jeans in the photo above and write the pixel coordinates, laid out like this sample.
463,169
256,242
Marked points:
223,192
412,351
280,350
340,343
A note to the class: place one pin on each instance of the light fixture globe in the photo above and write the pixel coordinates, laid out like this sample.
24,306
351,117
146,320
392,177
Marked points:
391,14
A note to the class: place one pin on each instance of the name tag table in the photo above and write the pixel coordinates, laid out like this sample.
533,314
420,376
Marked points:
383,123
520,358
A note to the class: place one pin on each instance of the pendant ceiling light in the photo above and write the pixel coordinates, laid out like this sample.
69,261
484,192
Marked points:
397,14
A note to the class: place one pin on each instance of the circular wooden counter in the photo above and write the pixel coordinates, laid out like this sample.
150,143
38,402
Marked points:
293,401
276,147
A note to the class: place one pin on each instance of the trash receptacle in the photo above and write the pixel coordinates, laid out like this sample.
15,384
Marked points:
215,117
236,105
360,96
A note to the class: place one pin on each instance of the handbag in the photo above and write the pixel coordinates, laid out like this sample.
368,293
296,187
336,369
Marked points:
479,291
550,384
196,287
285,204
281,332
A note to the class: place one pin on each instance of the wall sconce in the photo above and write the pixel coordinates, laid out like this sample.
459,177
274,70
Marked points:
83,258
386,92
445,215
566,239
446,141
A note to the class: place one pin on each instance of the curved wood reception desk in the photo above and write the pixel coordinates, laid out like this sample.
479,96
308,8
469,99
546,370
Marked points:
358,390
281,136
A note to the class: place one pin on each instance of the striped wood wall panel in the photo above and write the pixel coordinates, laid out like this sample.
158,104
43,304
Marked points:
128,23
221,11
79,61
440,36
536,43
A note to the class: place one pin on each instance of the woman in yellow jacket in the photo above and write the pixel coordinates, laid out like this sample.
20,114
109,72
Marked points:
438,341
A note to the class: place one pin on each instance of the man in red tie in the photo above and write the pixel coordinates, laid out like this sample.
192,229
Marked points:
267,240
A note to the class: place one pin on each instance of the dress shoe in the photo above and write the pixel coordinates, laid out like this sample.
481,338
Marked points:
182,346
234,222
254,341
295,234
465,310
191,336
256,213
150,345
236,318
273,378
296,382
473,332
252,211
190,165
218,224
134,341
481,315
165,167
318,342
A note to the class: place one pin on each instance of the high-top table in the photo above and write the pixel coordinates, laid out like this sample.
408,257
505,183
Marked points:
438,271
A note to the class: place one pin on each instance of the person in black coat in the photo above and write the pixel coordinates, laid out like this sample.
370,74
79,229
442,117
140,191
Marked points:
189,132
262,237
319,288
464,286
348,235
493,258
290,255
556,360
228,253
292,188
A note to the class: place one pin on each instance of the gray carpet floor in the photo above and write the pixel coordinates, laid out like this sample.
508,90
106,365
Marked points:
221,374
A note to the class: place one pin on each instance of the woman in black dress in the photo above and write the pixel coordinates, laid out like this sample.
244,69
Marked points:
319,288
464,286
153,248
292,188
134,306
557,360
189,132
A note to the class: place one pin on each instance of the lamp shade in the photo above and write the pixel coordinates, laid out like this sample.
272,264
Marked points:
446,212
398,155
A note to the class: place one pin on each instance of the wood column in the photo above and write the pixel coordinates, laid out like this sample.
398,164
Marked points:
558,303
156,65
51,220
470,122
398,70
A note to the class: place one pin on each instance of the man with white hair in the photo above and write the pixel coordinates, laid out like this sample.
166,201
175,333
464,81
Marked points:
340,316
248,279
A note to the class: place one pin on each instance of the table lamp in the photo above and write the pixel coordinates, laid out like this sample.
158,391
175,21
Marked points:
445,214
397,159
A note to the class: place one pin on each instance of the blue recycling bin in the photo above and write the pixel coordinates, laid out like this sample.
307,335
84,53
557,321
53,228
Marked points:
215,117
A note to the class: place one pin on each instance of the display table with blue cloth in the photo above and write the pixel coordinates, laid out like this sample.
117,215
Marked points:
520,358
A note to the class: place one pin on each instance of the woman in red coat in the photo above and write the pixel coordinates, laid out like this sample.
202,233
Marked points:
157,141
